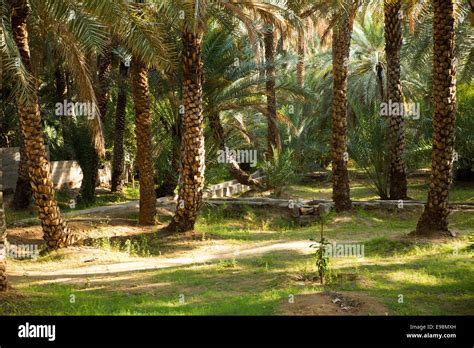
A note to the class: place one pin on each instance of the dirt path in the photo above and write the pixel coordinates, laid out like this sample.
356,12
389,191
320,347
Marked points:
220,252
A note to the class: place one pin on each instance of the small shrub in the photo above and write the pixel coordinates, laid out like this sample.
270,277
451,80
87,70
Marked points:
279,171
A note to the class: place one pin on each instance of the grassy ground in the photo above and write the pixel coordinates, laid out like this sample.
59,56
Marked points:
361,190
432,277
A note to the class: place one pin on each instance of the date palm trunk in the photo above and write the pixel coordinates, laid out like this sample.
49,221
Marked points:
92,159
340,55
56,231
434,219
393,43
273,137
191,182
22,196
141,99
300,68
118,159
62,91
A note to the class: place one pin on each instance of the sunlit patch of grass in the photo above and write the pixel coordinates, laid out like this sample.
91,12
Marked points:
417,278
361,190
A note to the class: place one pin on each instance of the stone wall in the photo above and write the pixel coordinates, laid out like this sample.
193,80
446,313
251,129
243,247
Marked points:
66,174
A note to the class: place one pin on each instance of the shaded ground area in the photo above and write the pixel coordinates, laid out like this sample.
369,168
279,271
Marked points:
242,260
333,303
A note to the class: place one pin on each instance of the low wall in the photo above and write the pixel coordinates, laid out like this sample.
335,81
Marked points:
229,188
65,174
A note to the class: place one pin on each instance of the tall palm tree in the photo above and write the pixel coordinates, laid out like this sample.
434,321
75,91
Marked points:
91,158
192,145
56,231
306,10
434,220
141,99
340,51
76,37
273,137
137,30
393,43
118,157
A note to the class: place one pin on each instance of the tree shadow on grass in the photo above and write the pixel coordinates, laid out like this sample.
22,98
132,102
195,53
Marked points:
439,284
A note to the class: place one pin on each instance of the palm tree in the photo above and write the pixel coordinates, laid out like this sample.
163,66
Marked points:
306,10
192,145
22,195
136,28
141,99
91,158
340,50
56,232
75,37
434,220
273,137
393,43
118,157
228,88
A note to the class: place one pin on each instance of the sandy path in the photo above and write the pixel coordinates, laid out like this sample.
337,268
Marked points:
189,258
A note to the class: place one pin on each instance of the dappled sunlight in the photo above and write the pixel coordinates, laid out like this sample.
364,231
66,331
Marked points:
417,278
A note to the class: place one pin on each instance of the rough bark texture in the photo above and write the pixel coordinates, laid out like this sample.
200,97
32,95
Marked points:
141,99
393,44
234,168
89,162
3,236
300,69
273,138
62,92
22,196
340,50
56,232
191,183
92,159
434,220
118,159
105,68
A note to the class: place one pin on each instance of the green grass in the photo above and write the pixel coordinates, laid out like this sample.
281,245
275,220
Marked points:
247,225
434,278
361,190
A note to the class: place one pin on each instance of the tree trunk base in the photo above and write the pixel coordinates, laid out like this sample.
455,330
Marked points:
398,185
433,223
340,207
179,225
